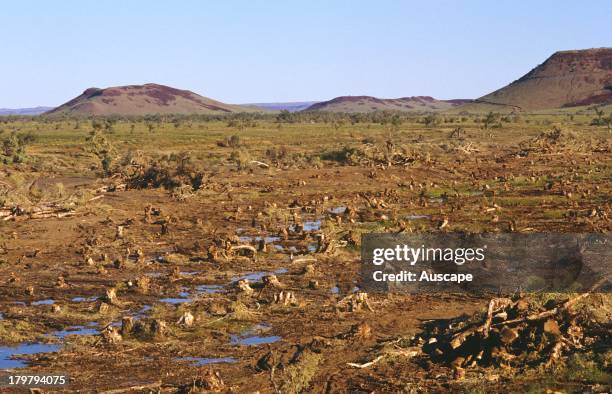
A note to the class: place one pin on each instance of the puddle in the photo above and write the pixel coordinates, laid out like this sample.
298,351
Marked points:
313,247
258,275
175,301
253,340
7,352
416,217
437,200
187,296
335,290
338,210
190,272
44,302
153,274
84,299
184,296
268,239
142,311
313,225
76,330
209,289
253,336
198,361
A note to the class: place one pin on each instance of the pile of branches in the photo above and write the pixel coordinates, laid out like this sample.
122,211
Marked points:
515,334
558,140
171,172
46,210
370,154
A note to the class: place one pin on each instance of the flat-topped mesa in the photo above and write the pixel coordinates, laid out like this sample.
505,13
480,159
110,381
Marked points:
144,99
565,79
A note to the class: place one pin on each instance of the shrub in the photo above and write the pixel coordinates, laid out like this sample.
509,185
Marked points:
13,147
102,148
230,142
174,171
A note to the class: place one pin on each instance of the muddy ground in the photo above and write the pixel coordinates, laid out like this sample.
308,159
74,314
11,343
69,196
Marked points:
133,288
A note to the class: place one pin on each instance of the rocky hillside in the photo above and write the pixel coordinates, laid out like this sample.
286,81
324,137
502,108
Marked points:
142,100
566,79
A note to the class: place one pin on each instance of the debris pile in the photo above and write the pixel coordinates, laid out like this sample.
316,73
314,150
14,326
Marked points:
514,334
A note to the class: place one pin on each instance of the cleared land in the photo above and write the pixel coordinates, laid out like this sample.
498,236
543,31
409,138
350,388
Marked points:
221,253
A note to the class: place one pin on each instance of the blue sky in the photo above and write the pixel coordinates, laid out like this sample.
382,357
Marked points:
263,51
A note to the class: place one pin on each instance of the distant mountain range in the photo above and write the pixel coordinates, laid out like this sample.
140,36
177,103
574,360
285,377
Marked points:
372,104
24,111
291,106
565,79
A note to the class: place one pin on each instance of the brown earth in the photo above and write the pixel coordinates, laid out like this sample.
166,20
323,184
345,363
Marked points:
163,252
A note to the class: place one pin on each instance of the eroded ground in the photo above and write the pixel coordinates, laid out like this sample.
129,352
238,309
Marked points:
249,281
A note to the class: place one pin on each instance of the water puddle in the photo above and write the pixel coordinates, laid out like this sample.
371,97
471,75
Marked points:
84,299
268,239
190,272
313,225
175,301
209,289
253,340
416,217
8,352
335,290
258,275
50,301
338,210
76,330
254,336
199,361
142,311
186,296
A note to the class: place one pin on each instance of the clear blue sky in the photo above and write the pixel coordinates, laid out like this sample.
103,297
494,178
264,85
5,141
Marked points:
262,51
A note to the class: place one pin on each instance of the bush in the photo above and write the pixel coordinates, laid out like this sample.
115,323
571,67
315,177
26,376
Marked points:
241,158
174,171
14,147
230,142
102,148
